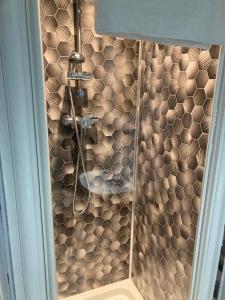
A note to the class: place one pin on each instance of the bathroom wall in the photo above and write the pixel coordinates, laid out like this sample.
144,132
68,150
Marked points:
175,113
94,249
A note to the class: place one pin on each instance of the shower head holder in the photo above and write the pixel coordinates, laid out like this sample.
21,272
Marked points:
76,58
78,76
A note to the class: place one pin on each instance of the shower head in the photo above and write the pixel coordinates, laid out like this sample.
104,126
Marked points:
76,58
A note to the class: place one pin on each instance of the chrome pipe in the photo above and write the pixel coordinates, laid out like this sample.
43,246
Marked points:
78,26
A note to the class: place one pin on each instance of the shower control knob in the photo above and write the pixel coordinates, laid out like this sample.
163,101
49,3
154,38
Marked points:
87,121
80,93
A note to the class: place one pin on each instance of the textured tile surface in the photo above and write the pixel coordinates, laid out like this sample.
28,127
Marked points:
94,249
175,112
176,106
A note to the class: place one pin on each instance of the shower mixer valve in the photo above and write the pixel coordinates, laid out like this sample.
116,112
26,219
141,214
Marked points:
84,122
76,74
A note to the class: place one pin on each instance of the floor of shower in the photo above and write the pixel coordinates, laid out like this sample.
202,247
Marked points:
122,290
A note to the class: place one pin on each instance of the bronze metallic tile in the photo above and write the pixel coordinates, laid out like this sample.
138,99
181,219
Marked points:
62,17
50,24
173,136
51,39
49,7
92,250
176,105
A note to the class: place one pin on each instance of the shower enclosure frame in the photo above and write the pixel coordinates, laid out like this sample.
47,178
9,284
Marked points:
6,287
212,213
24,150
24,154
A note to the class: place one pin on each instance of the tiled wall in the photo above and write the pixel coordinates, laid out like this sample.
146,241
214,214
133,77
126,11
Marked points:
94,249
175,112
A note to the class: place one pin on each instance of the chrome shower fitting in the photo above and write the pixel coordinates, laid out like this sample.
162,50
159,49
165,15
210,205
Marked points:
75,69
67,120
76,58
79,76
84,122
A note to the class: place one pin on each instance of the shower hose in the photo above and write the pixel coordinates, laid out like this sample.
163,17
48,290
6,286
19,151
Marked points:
80,156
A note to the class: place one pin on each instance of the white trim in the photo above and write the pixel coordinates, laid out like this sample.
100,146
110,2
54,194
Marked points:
24,152
7,290
124,289
40,119
211,219
9,194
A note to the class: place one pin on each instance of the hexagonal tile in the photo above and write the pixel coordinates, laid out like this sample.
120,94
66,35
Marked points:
51,39
174,187
202,79
109,53
63,49
63,33
51,56
53,70
62,17
176,108
99,72
50,24
49,7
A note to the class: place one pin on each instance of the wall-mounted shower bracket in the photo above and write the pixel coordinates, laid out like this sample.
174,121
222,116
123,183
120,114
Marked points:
78,75
76,58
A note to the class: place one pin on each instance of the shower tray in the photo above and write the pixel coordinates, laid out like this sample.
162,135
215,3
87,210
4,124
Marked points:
121,290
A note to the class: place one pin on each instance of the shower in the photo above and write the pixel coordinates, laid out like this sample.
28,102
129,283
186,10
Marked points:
128,127
75,73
